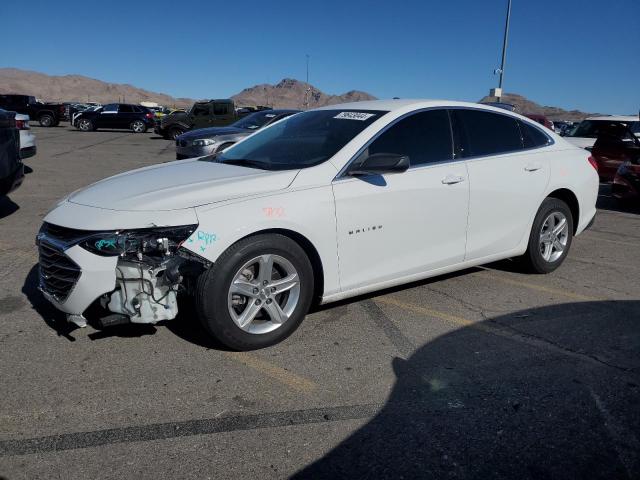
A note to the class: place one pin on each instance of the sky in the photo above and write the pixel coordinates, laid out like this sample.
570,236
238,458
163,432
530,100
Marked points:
580,54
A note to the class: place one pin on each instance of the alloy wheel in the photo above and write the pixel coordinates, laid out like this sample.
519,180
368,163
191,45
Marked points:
263,294
554,235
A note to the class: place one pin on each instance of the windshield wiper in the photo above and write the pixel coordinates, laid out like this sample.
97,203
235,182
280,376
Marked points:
245,162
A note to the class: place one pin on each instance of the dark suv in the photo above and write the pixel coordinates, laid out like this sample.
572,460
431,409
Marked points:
116,115
11,167
48,114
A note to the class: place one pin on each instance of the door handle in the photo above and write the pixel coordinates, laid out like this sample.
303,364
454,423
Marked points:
532,167
452,179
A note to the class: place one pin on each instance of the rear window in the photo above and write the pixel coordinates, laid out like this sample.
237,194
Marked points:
486,133
125,109
532,137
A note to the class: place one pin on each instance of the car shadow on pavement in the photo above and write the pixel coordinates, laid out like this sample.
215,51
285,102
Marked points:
7,207
549,392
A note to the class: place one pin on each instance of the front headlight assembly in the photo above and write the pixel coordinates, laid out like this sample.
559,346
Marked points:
203,142
139,242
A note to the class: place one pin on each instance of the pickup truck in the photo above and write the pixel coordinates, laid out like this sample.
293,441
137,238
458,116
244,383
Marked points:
11,166
48,114
203,114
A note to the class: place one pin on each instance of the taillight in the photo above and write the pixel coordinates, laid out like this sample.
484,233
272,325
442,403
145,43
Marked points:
22,125
149,115
593,162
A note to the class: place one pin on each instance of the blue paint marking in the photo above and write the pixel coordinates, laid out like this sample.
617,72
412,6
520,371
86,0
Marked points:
105,243
204,239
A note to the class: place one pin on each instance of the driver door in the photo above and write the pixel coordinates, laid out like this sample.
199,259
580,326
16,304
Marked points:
394,225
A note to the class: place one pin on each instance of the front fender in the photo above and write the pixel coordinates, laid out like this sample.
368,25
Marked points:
309,212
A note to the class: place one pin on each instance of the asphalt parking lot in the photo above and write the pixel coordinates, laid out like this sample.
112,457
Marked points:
487,373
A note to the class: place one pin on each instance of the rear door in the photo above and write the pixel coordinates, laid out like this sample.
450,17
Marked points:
508,174
125,116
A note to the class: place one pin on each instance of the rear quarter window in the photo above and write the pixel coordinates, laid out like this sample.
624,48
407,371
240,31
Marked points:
486,133
532,137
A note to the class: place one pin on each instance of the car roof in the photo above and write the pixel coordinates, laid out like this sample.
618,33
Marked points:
616,118
410,104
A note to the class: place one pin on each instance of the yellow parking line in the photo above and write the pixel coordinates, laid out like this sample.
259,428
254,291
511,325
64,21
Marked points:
291,380
423,310
539,288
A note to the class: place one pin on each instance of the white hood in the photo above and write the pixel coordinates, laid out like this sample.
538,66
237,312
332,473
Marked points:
177,185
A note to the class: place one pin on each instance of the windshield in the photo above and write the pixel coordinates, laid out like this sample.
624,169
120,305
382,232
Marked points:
299,141
254,120
592,128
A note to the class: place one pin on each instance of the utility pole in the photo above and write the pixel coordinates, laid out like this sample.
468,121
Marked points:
497,92
307,55
307,92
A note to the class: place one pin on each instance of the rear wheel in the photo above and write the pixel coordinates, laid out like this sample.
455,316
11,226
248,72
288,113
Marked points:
46,120
550,238
138,126
257,293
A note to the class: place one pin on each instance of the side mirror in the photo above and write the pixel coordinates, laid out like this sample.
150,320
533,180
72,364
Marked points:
381,163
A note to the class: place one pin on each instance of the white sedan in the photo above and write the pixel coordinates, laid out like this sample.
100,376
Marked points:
321,206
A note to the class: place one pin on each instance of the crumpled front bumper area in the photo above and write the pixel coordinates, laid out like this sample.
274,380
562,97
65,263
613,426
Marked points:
73,278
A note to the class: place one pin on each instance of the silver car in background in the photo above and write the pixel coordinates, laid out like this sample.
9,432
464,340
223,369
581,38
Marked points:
205,141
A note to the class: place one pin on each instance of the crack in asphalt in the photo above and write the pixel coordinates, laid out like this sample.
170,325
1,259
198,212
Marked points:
402,344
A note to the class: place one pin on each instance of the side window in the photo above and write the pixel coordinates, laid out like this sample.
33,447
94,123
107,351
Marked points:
220,108
424,137
125,109
137,109
635,127
201,110
487,133
532,137
112,107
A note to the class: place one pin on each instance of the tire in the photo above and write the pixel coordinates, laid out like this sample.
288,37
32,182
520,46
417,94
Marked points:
175,132
223,146
46,120
138,126
85,125
546,251
222,311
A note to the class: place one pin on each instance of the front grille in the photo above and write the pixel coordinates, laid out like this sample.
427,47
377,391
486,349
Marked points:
58,273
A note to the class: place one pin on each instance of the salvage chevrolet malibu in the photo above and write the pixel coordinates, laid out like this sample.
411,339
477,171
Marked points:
321,206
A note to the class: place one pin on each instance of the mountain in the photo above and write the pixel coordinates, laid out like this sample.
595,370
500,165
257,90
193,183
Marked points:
524,105
69,88
290,93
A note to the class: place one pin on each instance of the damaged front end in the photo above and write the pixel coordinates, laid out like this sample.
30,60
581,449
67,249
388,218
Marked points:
135,274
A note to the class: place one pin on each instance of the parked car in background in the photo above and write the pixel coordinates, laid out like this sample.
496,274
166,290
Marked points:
615,145
205,141
210,113
584,135
541,119
323,205
116,115
47,114
626,183
11,166
27,138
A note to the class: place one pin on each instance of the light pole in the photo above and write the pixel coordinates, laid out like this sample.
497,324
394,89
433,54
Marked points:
307,55
498,91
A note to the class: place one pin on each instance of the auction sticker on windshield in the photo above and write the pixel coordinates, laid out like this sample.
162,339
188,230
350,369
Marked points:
355,115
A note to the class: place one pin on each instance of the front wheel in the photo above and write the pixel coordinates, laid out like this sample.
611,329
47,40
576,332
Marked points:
138,126
257,293
550,238
175,132
84,124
